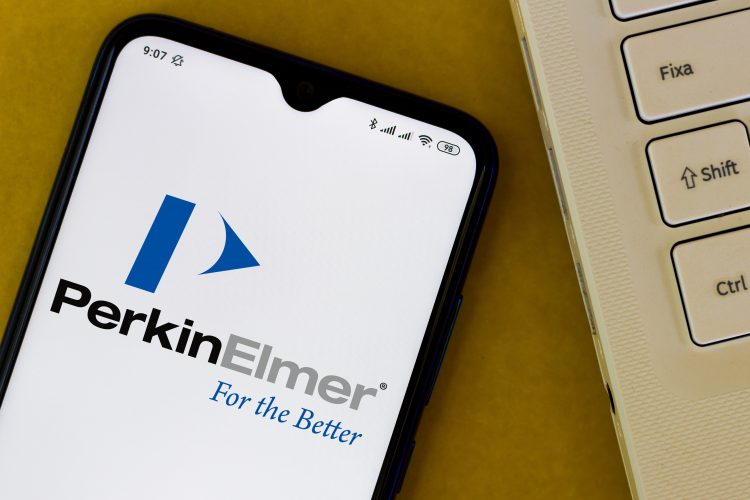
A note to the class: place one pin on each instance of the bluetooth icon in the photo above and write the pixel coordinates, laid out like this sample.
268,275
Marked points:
373,123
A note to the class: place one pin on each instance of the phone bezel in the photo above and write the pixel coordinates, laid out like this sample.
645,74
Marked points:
330,83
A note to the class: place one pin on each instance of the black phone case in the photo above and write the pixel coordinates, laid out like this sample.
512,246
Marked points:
293,74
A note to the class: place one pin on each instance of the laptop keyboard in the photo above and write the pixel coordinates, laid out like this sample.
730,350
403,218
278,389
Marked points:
701,173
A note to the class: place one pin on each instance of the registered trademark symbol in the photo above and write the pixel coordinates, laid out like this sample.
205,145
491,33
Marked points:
383,386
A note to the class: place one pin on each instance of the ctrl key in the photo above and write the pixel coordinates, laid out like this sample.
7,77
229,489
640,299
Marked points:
713,273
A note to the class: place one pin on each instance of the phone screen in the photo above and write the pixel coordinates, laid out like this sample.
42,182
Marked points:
237,294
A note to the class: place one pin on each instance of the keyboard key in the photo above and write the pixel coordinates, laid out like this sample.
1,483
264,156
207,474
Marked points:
628,9
689,68
714,278
701,173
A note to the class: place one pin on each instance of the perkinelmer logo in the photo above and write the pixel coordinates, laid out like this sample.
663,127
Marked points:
161,242
241,355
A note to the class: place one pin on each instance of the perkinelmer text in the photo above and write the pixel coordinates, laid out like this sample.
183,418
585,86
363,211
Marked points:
240,354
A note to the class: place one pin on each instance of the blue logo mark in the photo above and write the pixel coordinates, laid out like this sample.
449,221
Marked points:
161,241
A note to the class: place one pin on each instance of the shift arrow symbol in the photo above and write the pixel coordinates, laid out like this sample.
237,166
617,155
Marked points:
688,177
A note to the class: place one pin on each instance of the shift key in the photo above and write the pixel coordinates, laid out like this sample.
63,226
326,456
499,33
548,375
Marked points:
701,173
690,67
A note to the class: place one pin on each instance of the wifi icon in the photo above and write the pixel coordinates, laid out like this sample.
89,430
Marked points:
425,139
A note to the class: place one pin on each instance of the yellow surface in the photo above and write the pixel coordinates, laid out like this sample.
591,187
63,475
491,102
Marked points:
519,410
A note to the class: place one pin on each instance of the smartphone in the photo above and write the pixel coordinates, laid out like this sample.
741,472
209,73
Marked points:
244,281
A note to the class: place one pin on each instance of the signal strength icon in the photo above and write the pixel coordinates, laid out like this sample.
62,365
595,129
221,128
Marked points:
425,139
389,130
406,136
